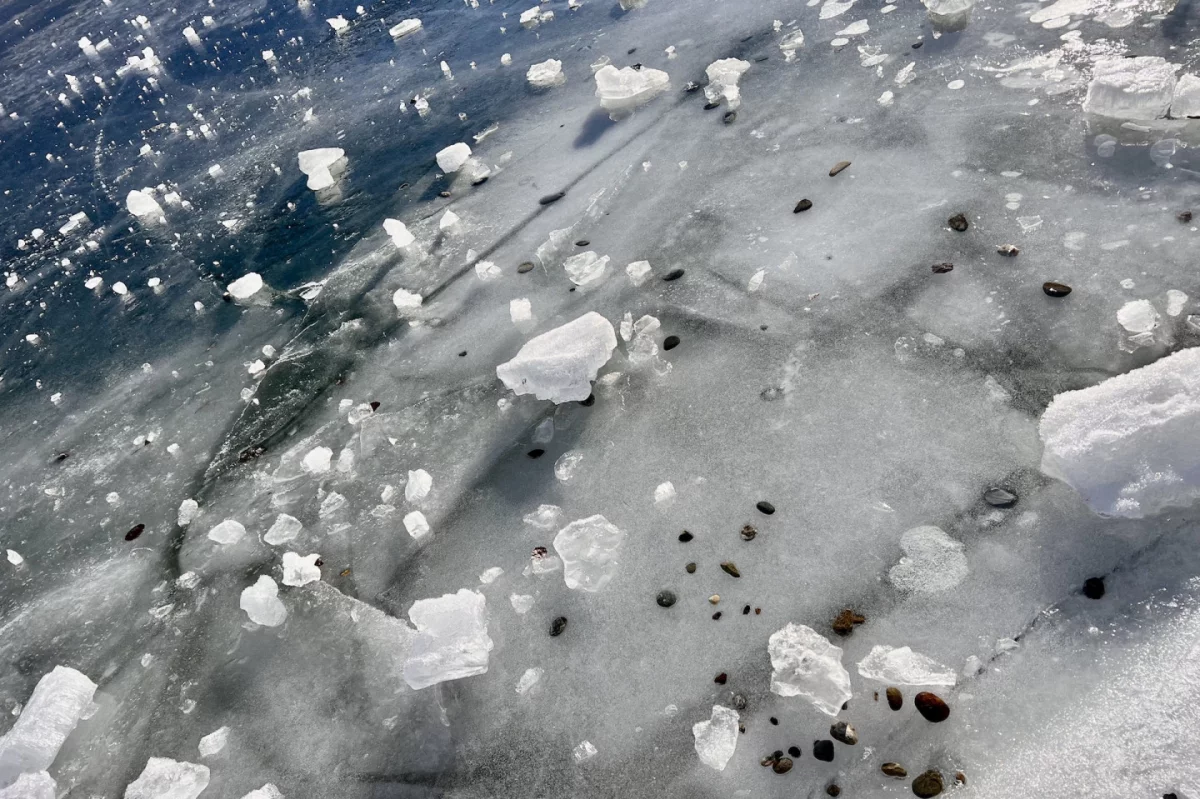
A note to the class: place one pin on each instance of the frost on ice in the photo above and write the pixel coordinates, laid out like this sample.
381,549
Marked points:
450,159
546,74
805,664
261,603
622,90
589,548
60,699
452,640
903,666
717,737
723,77
932,562
320,165
164,778
1131,88
1130,445
560,364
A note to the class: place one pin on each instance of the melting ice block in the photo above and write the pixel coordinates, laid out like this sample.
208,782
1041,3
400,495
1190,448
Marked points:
142,205
585,268
1186,102
805,664
164,778
903,667
1130,445
452,640
589,548
622,90
317,165
404,28
60,699
261,603
1131,88
449,159
560,364
398,232
245,286
717,737
546,74
36,785
723,77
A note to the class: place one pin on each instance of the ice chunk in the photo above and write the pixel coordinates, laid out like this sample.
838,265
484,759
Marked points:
405,300
585,268
448,221
520,310
404,28
268,791
449,159
261,603
805,664
452,640
790,43
529,679
932,562
564,467
418,485
398,232
1129,444
338,23
723,76
318,165
285,529
1186,102
589,548
142,205
229,531
835,8
1176,300
416,525
489,576
717,738
560,364
949,15
546,517
34,785
855,28
245,286
164,778
904,667
622,90
300,569
521,603
317,460
584,751
59,700
638,272
664,494
214,742
546,74
1138,316
189,509
1131,88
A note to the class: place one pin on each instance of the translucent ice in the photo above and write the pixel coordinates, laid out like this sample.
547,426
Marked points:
283,530
664,494
932,562
318,165
1176,300
622,90
418,485
723,76
584,751
229,531
546,74
404,28
560,364
717,738
300,569
585,268
452,640
1129,444
1186,102
214,742
949,14
141,204
60,699
164,778
33,785
903,667
261,603
567,463
189,509
1138,316
805,664
589,548
546,517
245,286
1131,88
417,525
521,603
398,232
449,159
405,300
638,272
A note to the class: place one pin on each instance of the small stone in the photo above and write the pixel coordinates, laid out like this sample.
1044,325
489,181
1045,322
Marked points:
960,778
941,269
895,699
714,599
1093,587
716,616
838,167
917,45
526,266
844,732
665,599
685,536
845,621
757,611
443,194
765,508
670,342
999,498
1184,216
748,533
833,790
782,766
729,568
774,721
582,243
536,453
794,751
557,626
1008,250
958,222
711,106
690,87
928,784
931,706
746,611
894,770
769,760
552,198
721,678
823,750
674,274
691,568
738,702
802,206
137,530
730,117
1053,289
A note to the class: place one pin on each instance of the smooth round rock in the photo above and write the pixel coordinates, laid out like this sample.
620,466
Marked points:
765,507
931,706
782,766
928,784
674,274
690,568
582,243
525,267
137,530
670,342
552,198
958,222
894,770
557,626
941,269
802,206
823,750
1093,587
665,599
536,453
999,498
837,168
844,732
794,751
711,106
1053,289
895,699
833,790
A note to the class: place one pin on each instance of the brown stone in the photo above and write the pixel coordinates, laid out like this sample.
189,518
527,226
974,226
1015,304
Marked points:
894,770
931,706
928,784
895,699
844,623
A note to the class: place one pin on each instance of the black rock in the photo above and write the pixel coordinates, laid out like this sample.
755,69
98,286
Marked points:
774,721
730,117
746,611
928,785
931,706
462,354
731,569
833,790
999,498
582,243
958,222
941,269
685,536
138,529
1093,587
670,342
894,770
536,453
844,732
589,402
711,106
917,45
721,678
552,198
794,751
557,626
674,274
525,267
717,616
765,507
1184,217
1056,289
665,599
895,699
690,568
802,206
823,750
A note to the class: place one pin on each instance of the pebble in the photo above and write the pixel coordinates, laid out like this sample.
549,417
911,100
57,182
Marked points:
557,626
525,267
803,205
767,761
928,784
739,702
958,222
582,243
894,770
670,342
845,621
1093,587
844,732
746,611
674,274
685,536
714,599
138,528
833,790
443,194
823,750
552,198
895,699
721,678
731,569
730,117
765,507
711,106
782,766
960,778
941,269
536,453
931,706
1056,289
917,45
748,533
999,498
691,568
794,751
838,167
665,599
1008,250
374,405
717,616
1184,216
774,721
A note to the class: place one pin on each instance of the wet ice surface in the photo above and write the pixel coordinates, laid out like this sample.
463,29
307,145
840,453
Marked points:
346,402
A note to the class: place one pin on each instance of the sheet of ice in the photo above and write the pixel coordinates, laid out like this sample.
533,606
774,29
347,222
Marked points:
622,90
214,742
717,738
589,549
723,76
285,528
143,205
398,232
546,74
450,159
805,664
164,778
318,165
300,570
932,562
560,364
902,666
418,485
227,532
59,701
245,286
1138,316
417,525
33,785
1131,88
452,640
262,604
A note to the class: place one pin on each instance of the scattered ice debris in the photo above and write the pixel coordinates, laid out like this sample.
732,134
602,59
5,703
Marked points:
214,742
487,270
805,664
189,509
903,666
450,159
1128,445
489,576
560,364
506,59
546,517
317,460
452,640
300,570
229,531
717,738
585,268
664,494
589,548
1176,300
416,525
285,529
790,43
164,778
14,557
319,166
638,272
932,562
32,785
723,76
398,232
59,701
418,485
338,23
404,28
1131,88
521,603
905,75
887,98
142,205
246,286
546,74
405,300
261,603
1186,102
1140,321
449,222
585,750
622,90
529,679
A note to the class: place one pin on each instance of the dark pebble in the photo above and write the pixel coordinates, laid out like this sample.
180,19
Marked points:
746,611
690,568
748,534
894,770
895,699
742,727
1093,587
928,784
771,394
802,206
637,66
960,778
823,750
631,51
765,507
138,529
557,626
1009,250
674,274
462,354
685,536
917,45
589,402
739,702
717,616
941,269
582,243
711,106
552,198
1056,289
833,790
525,267
958,222
778,753
931,706
62,456
838,167
794,751
665,599
374,405
774,721
721,678
769,760
670,342
1184,216
999,498
844,732
730,117
757,611
479,181
782,766
731,569
844,623
536,453
443,194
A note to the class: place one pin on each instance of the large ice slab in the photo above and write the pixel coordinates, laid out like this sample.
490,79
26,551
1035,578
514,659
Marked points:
622,90
164,778
452,640
59,701
1131,88
902,666
805,664
717,738
1130,445
589,548
36,785
560,364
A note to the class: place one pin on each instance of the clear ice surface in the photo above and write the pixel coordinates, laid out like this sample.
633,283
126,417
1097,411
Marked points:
902,666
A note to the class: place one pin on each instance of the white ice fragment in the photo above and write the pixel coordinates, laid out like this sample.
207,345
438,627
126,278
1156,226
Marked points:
949,14
405,300
904,667
955,85
229,531
521,603
520,310
398,232
886,99
546,517
417,525
529,679
452,640
932,562
245,286
585,268
855,28
418,485
664,494
300,569
32,785
487,270
268,791
338,23
905,76
189,509
141,205
164,778
546,74
261,603
805,664
506,59
1176,300
589,548
1138,316
585,750
717,738
791,42
404,28
285,529
638,272
756,281
1186,102
564,467
214,742
450,159
14,557
1131,88
318,165
560,364
489,576
448,222
622,90
544,434
835,8
317,460
59,701
723,76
